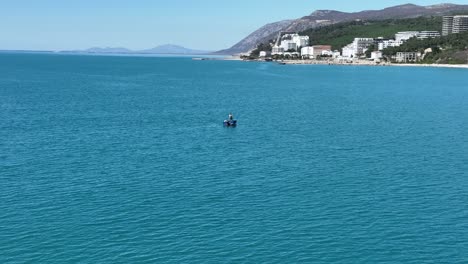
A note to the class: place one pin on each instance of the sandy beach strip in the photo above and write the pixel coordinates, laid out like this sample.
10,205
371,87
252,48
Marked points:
458,66
371,63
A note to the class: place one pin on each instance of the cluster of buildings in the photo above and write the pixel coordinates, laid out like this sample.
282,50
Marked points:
360,45
294,45
289,44
298,46
454,24
312,52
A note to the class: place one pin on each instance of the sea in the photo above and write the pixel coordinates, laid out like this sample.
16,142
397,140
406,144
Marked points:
124,159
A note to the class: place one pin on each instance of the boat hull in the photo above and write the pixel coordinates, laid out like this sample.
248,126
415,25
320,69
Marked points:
230,123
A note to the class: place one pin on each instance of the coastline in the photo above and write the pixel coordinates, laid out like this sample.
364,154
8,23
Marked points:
369,63
457,66
225,58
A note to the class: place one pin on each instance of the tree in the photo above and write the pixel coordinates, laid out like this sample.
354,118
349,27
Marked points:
444,49
260,47
371,48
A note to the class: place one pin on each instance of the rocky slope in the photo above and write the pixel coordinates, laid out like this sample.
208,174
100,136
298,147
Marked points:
328,17
252,40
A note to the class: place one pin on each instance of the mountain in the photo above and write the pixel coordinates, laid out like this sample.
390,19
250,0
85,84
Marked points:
252,40
173,49
321,18
163,49
107,50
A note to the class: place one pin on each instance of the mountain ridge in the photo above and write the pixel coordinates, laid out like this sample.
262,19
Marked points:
173,49
321,18
161,49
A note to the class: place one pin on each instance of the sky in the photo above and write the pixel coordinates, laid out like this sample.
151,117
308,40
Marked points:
142,24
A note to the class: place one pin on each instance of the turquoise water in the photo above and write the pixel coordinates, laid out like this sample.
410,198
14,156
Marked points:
125,160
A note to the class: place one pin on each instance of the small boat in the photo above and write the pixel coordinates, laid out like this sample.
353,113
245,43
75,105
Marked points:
230,123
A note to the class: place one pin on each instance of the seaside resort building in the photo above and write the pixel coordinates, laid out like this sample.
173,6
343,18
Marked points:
408,57
277,50
358,47
334,54
428,34
292,43
314,51
288,45
388,43
454,24
376,55
404,36
401,37
348,51
447,25
264,54
301,41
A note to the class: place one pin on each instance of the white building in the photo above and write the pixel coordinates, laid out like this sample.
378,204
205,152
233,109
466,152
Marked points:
428,34
454,24
307,52
327,53
401,37
447,25
362,44
404,36
294,42
264,54
288,45
301,41
348,51
389,43
314,51
277,50
336,54
293,54
376,55
358,47
408,56
460,24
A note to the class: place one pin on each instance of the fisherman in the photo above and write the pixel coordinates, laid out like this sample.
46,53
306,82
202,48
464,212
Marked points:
230,117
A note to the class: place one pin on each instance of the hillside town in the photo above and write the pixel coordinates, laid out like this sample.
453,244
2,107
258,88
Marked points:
292,46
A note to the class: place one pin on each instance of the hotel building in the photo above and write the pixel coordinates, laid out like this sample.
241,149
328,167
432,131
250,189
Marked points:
454,24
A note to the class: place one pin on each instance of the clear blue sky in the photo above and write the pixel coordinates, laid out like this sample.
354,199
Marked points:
140,24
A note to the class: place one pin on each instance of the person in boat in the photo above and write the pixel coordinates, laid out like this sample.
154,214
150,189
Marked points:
230,117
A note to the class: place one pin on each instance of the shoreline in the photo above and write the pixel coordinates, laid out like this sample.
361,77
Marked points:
457,66
356,63
371,63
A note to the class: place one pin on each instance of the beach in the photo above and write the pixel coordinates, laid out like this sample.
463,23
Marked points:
370,63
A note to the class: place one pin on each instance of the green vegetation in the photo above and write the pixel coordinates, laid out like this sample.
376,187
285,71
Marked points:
340,35
261,47
451,49
371,48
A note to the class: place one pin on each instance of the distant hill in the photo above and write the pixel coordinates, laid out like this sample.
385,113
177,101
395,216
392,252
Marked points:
322,18
163,49
107,50
173,49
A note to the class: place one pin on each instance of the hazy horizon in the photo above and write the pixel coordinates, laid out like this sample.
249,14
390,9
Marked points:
204,25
